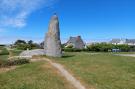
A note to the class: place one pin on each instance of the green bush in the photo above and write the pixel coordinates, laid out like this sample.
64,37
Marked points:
14,62
123,48
132,48
69,46
23,45
4,51
104,47
101,47
2,45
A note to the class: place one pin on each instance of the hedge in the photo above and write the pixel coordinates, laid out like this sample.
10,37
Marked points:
4,51
14,62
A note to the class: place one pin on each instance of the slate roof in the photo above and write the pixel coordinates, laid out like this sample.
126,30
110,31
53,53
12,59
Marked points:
77,42
124,40
115,40
130,40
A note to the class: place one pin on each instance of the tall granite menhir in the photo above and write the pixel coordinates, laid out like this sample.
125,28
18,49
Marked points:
52,44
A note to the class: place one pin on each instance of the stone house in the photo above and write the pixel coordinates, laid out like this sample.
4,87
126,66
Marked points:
130,42
76,42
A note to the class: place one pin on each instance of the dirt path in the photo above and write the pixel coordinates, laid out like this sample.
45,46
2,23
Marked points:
68,76
130,55
72,80
7,69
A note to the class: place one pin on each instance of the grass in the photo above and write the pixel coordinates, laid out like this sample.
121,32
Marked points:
101,71
14,52
3,51
4,54
125,53
3,58
38,75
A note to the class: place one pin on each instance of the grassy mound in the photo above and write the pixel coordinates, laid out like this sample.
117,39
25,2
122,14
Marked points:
5,62
14,62
3,51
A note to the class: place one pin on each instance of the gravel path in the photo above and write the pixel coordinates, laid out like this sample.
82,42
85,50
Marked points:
72,80
130,55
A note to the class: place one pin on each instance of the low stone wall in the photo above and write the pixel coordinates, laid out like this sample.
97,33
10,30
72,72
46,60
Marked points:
33,52
19,57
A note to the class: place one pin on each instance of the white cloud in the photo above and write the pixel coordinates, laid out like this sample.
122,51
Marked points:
15,12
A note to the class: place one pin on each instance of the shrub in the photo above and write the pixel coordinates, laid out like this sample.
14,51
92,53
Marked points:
69,46
2,45
104,47
132,48
2,62
123,48
14,62
23,45
20,42
3,51
17,62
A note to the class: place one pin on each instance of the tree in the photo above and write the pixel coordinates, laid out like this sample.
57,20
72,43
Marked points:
42,45
30,42
20,42
104,47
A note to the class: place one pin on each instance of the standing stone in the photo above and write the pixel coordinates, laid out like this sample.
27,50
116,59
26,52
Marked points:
52,43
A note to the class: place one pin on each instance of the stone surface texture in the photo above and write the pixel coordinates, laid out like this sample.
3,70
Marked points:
33,52
52,44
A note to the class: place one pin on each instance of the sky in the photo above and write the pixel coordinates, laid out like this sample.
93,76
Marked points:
94,20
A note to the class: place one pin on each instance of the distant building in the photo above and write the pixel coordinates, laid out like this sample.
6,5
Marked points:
123,41
76,42
130,41
118,41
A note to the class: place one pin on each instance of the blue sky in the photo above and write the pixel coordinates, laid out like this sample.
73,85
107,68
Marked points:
92,19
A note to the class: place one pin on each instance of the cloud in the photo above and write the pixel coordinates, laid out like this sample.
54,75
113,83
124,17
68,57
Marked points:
14,13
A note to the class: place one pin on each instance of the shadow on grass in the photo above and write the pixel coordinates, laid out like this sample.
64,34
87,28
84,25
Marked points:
67,56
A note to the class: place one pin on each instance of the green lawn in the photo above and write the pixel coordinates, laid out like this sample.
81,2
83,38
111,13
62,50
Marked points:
3,58
38,75
101,71
125,53
8,53
15,52
3,54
